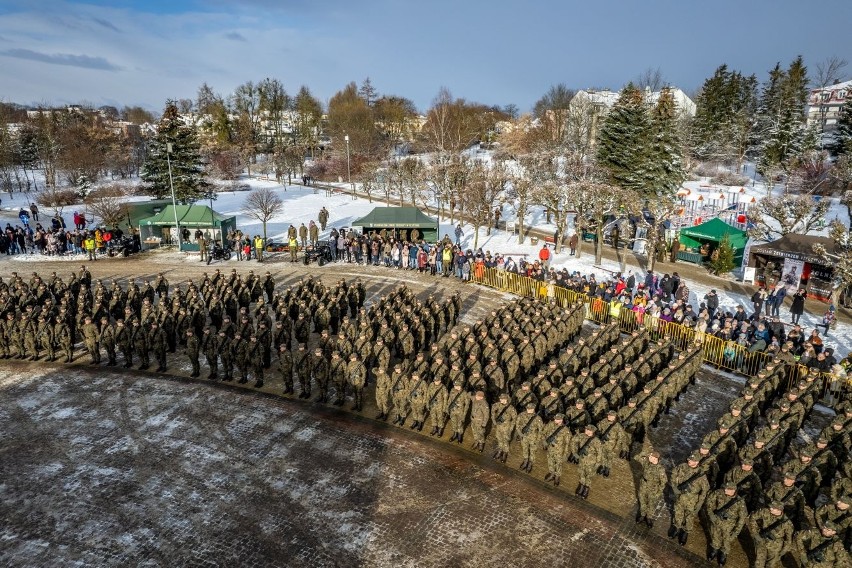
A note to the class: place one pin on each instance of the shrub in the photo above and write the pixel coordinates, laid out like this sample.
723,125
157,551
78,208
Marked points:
729,178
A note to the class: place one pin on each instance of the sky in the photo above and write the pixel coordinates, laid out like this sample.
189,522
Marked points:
496,52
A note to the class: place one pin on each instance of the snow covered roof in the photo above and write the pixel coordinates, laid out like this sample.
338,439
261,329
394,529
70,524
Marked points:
607,98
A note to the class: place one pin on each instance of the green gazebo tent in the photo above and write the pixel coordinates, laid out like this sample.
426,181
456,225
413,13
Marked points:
190,217
398,220
712,231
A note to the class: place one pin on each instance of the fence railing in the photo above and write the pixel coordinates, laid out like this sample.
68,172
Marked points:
720,353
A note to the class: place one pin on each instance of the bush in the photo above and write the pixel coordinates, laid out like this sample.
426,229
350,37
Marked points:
729,178
58,198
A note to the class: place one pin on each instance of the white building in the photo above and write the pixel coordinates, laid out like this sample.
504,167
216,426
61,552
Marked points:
824,104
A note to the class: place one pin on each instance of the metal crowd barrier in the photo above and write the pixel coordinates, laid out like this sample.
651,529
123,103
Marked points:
719,353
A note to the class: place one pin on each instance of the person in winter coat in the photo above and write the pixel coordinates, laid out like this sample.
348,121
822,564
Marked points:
303,235
313,230
798,306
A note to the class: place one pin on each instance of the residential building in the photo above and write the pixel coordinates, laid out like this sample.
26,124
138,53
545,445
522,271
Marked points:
824,104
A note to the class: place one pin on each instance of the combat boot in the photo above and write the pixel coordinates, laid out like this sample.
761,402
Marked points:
258,384
650,522
712,554
379,416
606,472
682,536
722,558
556,480
586,491
460,439
579,489
672,531
548,477
440,432
639,517
523,465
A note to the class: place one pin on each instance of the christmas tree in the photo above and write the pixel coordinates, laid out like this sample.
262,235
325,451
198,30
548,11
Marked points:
177,143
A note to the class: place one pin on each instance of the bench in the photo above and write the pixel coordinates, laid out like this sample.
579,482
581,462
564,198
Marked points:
550,240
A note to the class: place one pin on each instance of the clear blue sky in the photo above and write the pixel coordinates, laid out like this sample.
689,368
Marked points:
128,52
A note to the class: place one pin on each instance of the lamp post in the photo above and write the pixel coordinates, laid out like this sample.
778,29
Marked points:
348,168
172,186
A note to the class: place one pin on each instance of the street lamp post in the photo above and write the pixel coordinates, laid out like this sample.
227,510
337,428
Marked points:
348,168
172,186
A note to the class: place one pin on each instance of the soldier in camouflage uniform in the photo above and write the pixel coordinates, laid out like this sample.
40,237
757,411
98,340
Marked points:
458,408
652,483
614,441
528,430
224,347
123,342
586,452
726,516
557,443
285,367
356,372
438,399
503,416
480,414
690,487
821,547
337,375
302,359
417,401
772,533
140,345
383,388
91,337
193,347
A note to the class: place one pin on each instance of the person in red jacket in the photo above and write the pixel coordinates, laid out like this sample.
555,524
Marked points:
544,256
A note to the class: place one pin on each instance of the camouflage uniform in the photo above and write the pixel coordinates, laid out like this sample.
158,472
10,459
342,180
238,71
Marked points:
586,450
772,535
458,407
652,483
503,417
557,442
690,487
726,515
528,429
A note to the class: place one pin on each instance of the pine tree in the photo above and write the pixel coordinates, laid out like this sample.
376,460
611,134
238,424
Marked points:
723,261
665,162
782,118
841,139
186,165
624,140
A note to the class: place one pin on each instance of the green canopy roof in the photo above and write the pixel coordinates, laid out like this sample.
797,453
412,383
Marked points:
393,217
714,230
187,215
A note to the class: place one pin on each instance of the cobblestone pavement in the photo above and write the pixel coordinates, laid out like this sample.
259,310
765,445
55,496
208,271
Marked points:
105,469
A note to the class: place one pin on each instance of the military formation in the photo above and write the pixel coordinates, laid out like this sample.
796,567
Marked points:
794,497
523,377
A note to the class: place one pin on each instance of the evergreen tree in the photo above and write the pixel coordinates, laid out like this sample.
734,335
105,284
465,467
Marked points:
725,116
186,165
782,117
722,260
624,142
841,139
665,163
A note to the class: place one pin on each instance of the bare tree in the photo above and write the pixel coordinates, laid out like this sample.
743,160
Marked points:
840,259
553,192
485,185
650,78
521,190
262,204
108,204
777,215
829,71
